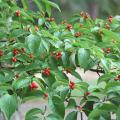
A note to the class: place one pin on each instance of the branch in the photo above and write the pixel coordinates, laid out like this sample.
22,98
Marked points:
98,71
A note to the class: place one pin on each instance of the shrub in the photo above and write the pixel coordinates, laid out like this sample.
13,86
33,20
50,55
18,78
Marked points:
31,43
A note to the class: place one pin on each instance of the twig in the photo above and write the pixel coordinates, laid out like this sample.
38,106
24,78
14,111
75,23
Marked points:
98,71
81,115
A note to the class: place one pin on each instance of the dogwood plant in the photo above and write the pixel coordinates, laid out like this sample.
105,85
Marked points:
31,43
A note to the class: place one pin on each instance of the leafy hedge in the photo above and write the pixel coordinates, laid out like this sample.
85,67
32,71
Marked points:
32,44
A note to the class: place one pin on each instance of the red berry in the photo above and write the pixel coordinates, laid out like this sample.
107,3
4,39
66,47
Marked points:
1,53
31,55
108,50
107,26
68,70
15,51
71,85
100,32
86,16
17,76
33,85
14,59
82,13
110,18
46,72
79,108
23,50
118,77
86,94
69,27
58,55
50,19
103,50
77,34
45,95
81,25
18,13
63,22
36,28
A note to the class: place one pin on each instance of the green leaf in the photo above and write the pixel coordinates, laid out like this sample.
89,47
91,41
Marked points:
73,59
25,4
17,33
106,77
64,93
52,4
5,87
31,114
106,64
71,103
21,83
33,43
83,58
71,116
41,21
96,114
118,113
39,5
57,105
8,105
112,87
53,117
76,74
108,107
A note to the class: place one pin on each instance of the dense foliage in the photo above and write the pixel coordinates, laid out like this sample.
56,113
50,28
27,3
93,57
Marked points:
31,44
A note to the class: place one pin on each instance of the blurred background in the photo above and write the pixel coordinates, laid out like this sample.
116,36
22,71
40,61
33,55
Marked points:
96,8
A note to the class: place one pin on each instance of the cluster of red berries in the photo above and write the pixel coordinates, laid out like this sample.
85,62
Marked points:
63,22
36,28
69,27
79,108
14,59
1,53
45,95
77,34
85,15
23,50
58,55
16,52
71,85
110,18
50,19
33,85
17,76
107,50
18,13
100,32
46,72
118,78
31,56
81,25
107,26
68,70
86,94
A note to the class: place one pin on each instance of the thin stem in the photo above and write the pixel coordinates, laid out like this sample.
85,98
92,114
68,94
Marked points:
81,115
98,71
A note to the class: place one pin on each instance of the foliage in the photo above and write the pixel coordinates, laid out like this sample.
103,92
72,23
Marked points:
30,44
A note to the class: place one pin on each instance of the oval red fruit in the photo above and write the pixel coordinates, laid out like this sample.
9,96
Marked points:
46,72
1,53
14,59
18,13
